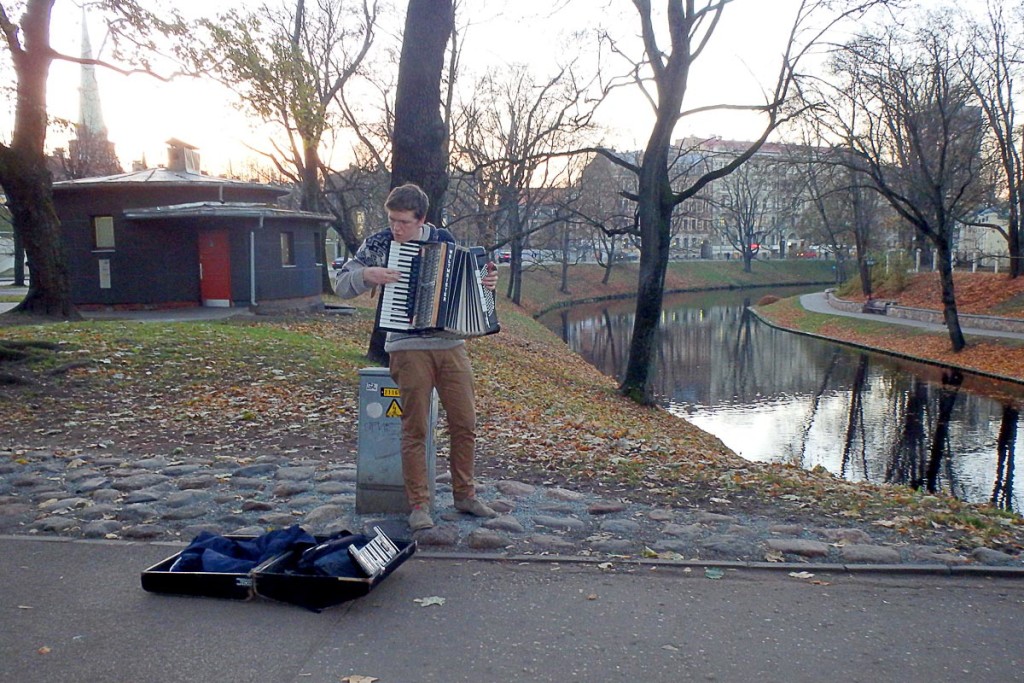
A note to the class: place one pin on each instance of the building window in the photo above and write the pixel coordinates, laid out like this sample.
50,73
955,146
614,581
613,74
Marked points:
287,248
104,273
103,229
319,248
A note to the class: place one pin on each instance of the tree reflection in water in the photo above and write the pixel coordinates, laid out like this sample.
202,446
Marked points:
777,396
1002,492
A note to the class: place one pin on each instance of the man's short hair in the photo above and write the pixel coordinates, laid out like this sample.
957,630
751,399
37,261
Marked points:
408,197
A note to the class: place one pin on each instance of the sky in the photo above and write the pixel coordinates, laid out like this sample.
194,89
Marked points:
141,113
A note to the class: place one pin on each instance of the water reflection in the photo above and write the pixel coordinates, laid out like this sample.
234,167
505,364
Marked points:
781,397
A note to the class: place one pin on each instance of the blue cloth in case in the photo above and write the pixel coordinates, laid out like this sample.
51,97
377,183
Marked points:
209,552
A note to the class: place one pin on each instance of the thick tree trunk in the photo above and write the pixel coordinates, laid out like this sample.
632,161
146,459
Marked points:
35,221
655,215
23,173
420,139
949,312
865,273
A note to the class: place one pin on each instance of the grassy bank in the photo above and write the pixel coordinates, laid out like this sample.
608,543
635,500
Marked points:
542,285
982,294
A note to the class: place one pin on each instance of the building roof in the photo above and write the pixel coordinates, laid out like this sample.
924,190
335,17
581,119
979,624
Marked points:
222,210
165,178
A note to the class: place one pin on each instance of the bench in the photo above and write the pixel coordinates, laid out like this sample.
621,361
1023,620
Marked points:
876,306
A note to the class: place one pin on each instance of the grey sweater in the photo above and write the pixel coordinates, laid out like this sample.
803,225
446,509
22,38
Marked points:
374,253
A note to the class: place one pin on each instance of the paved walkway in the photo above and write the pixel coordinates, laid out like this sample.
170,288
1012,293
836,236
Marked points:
545,592
818,303
159,315
74,611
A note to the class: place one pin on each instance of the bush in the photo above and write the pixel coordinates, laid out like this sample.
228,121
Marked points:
885,281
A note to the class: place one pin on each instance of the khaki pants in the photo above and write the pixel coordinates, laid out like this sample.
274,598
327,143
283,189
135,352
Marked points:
417,374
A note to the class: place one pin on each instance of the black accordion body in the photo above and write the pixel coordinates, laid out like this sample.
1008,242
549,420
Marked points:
440,291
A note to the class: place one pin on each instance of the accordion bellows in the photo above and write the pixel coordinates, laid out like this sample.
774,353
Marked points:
440,291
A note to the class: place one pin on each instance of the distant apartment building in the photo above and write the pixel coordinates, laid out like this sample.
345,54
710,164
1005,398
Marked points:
981,242
761,201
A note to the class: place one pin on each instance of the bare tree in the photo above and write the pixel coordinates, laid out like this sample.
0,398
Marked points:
841,210
605,207
916,134
742,200
24,176
509,139
991,65
88,156
292,68
689,26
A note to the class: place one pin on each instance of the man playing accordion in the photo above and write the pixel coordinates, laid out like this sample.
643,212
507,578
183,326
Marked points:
422,362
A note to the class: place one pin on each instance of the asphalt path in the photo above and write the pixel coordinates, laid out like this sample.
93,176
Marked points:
74,611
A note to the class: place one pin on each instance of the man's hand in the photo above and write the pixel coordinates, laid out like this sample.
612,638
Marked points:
490,278
376,275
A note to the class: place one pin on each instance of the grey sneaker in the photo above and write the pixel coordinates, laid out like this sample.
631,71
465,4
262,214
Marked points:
472,506
419,518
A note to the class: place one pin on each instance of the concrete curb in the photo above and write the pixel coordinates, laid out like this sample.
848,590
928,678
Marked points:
990,571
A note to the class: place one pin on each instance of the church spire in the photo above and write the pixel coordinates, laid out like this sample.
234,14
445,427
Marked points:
90,115
90,153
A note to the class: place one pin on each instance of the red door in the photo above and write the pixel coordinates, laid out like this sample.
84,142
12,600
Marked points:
214,268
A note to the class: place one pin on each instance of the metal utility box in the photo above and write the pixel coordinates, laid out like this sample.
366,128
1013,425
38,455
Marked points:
379,484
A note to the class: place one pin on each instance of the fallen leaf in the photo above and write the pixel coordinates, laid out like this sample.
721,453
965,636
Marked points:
44,650
713,573
605,565
427,602
774,556
359,679
801,575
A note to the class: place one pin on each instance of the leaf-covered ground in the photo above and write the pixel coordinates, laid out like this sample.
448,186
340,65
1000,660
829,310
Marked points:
242,388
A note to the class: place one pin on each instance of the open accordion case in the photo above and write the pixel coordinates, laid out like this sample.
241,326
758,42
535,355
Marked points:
286,565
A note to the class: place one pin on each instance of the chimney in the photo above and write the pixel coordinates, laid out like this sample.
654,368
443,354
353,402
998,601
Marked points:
182,157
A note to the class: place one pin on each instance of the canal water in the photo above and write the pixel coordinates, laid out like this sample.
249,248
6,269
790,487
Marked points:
776,396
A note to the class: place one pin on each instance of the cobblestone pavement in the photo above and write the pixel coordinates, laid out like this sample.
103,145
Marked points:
96,493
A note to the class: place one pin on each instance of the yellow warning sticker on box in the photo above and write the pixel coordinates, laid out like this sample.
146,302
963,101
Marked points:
390,392
394,410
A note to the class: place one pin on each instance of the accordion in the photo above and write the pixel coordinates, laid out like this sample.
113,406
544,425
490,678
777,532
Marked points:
439,292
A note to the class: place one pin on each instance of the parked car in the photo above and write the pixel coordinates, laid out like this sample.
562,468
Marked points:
505,257
337,263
